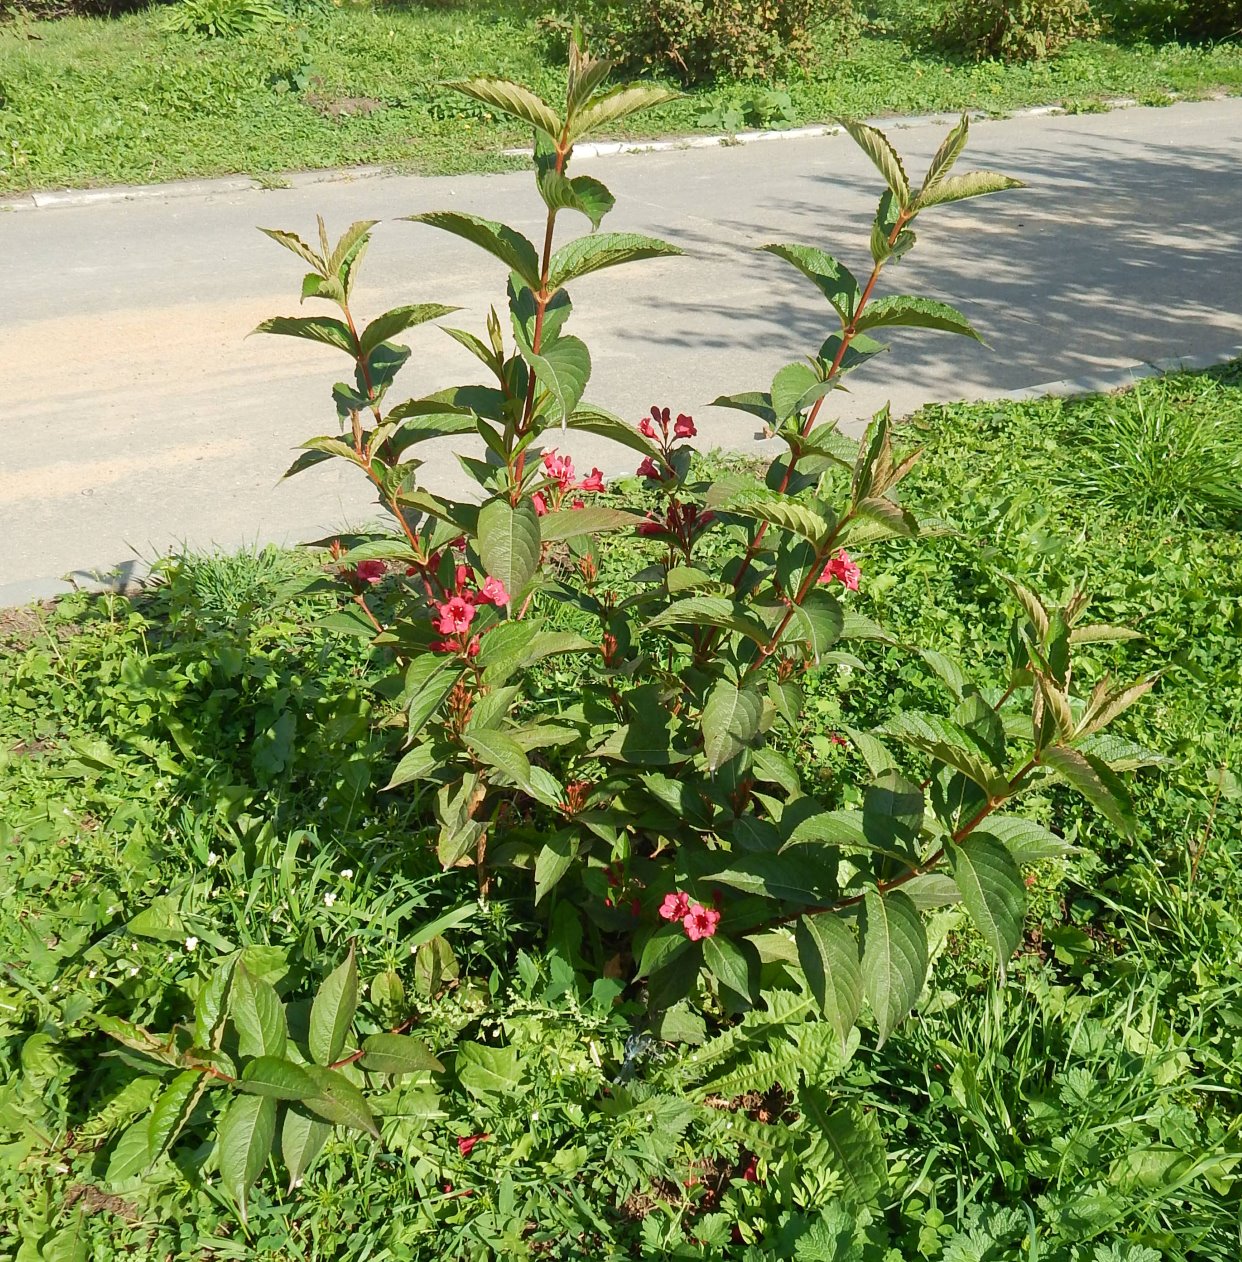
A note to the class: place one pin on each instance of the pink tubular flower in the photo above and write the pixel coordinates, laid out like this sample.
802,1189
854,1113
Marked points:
371,572
700,922
595,482
649,469
645,427
675,906
541,504
494,593
456,615
466,1143
843,569
559,468
444,646
578,504
650,527
684,427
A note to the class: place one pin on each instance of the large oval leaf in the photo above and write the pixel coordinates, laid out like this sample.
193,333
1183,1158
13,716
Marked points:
894,960
332,1012
509,542
244,1143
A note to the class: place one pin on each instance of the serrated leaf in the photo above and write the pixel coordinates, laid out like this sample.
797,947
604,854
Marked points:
818,622
131,1155
509,542
1027,841
301,1139
604,249
945,157
243,1145
790,386
950,744
398,1054
782,512
1094,633
594,519
512,99
992,890
210,1007
956,188
1108,706
714,611
876,145
833,279
596,421
828,953
278,1078
916,313
619,102
499,750
1095,781
730,721
562,367
332,1012
258,1016
498,239
585,195
387,326
172,1110
339,1101
735,968
291,241
488,1071
853,1138
893,809
894,957
755,402
327,330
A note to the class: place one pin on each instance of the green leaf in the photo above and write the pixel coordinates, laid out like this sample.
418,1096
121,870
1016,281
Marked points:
604,249
736,969
258,1016
793,388
301,1139
854,1140
332,1012
562,367
596,421
172,1110
952,745
945,157
875,144
243,1145
278,1078
499,750
992,891
730,721
398,1054
834,280
713,611
1027,841
818,622
505,651
892,813
553,862
512,99
620,102
387,326
428,681
1095,780
594,519
585,195
291,241
894,958
828,953
509,542
488,1071
753,401
326,329
210,1006
956,188
918,313
507,244
131,1155
339,1101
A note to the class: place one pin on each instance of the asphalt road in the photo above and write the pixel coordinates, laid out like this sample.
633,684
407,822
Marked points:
137,416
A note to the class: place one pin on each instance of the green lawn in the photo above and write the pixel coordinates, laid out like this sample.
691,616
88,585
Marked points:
199,770
86,101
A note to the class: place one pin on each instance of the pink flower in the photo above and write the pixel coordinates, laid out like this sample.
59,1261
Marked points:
649,469
444,646
650,527
645,427
843,570
371,572
472,649
559,468
456,615
578,504
700,922
540,503
494,593
593,483
837,739
684,427
675,906
466,1143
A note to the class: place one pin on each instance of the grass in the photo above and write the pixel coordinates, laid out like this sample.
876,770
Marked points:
92,101
200,769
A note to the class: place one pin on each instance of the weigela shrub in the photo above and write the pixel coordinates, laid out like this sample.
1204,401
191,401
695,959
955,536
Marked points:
1014,30
629,751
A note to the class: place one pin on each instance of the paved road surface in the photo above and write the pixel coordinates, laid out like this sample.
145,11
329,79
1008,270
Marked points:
137,416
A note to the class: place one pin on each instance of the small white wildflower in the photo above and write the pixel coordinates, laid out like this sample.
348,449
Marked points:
347,874
133,946
191,943
133,972
534,1117
91,973
172,955
212,858
329,898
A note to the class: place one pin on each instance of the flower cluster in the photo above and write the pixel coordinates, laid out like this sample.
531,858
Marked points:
683,427
843,569
453,615
560,471
698,921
